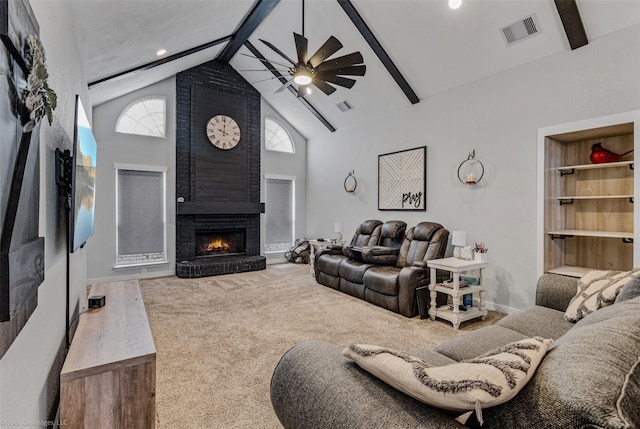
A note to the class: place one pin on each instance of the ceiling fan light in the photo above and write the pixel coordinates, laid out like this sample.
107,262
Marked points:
302,78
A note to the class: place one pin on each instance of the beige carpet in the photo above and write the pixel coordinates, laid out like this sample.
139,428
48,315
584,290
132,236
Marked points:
219,338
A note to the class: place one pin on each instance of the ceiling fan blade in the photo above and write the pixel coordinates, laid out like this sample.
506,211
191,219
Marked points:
285,86
338,80
278,51
301,47
323,86
266,61
330,47
344,61
358,70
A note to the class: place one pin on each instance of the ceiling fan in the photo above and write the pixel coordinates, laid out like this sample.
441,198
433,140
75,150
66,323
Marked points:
319,69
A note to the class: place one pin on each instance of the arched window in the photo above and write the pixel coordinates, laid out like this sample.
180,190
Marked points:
276,137
145,116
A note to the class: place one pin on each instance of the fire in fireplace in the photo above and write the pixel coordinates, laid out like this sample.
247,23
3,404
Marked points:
220,243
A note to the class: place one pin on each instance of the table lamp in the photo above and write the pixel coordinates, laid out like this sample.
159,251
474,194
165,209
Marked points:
338,230
458,240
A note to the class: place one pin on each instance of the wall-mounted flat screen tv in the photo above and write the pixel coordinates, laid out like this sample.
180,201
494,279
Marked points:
83,190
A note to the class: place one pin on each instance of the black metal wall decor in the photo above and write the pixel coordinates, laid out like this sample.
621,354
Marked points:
471,170
350,183
21,249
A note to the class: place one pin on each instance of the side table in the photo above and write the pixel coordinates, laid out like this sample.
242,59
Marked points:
456,266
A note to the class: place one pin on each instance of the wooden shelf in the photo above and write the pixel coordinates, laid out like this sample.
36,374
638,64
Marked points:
446,313
585,233
568,270
595,166
594,197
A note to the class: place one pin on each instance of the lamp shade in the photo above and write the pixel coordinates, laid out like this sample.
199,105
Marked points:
337,227
459,238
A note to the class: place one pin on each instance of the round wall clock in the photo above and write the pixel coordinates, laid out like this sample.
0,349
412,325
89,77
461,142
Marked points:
223,132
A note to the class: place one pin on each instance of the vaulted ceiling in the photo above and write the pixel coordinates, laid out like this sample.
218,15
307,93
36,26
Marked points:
433,47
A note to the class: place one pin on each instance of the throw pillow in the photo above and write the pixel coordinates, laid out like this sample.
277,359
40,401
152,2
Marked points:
597,289
629,291
485,381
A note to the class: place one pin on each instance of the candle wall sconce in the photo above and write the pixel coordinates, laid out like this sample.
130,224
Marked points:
350,183
471,170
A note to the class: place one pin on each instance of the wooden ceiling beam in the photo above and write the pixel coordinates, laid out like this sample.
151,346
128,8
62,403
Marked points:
572,23
366,32
259,12
154,64
251,22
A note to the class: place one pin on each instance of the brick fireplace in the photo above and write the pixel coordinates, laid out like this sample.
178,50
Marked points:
218,191
194,231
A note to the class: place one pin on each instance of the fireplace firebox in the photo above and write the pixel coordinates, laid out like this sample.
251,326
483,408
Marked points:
220,243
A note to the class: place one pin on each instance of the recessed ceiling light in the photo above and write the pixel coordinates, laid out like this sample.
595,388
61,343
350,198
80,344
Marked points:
161,52
454,4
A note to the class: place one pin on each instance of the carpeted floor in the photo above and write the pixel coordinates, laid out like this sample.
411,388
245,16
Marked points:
219,338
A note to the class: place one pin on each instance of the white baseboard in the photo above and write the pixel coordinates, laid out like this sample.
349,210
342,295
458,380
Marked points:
137,276
272,260
501,308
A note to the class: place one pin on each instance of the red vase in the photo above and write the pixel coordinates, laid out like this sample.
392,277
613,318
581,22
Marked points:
601,155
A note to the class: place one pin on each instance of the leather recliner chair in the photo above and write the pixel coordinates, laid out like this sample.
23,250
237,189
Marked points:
328,259
352,270
394,287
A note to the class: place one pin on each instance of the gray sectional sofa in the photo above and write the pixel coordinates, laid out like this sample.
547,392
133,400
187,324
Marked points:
590,378
384,263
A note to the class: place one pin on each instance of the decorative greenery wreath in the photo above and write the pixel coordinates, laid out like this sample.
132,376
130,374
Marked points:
38,98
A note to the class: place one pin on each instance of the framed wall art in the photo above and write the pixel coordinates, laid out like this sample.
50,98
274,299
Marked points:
402,180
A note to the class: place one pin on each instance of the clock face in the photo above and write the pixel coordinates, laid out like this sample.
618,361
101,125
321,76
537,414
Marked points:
223,132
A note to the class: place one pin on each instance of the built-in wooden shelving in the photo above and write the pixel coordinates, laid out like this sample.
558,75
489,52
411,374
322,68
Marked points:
589,208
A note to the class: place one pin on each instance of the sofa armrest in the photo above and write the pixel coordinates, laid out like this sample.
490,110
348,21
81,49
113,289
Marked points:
555,291
353,252
380,255
333,248
315,387
328,249
409,279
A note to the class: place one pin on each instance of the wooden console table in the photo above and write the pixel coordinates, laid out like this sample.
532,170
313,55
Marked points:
109,376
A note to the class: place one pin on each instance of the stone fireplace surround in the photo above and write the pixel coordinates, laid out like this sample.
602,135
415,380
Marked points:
217,190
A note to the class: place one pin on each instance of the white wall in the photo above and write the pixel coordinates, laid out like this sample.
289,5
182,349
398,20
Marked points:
29,371
140,150
117,148
498,117
287,164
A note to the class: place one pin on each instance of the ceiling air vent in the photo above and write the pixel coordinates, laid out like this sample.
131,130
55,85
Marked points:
520,30
344,106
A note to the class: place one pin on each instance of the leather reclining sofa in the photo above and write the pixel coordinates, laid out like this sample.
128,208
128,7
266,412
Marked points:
384,263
